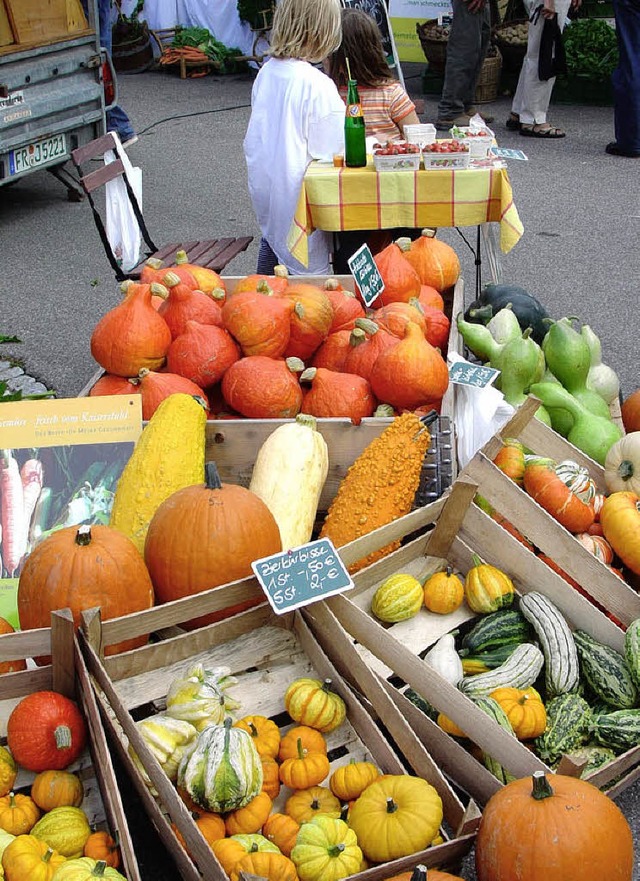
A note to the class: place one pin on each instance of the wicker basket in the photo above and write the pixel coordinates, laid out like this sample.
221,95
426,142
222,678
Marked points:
435,51
512,53
489,79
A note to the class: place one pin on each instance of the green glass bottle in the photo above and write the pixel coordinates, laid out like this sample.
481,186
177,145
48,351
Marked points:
355,148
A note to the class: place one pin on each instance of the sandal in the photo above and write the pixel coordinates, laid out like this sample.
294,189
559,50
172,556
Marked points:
513,123
548,131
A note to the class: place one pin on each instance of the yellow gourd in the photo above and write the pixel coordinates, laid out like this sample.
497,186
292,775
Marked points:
399,597
379,487
168,456
443,592
289,473
64,829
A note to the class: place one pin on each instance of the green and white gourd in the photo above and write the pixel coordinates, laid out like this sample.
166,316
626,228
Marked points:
632,650
493,709
619,730
224,771
568,719
520,670
200,696
561,668
504,627
606,671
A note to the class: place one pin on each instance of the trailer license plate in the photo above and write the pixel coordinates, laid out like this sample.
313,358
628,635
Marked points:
39,153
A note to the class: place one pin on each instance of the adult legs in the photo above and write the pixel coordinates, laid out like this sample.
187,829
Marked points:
267,258
117,119
626,77
464,59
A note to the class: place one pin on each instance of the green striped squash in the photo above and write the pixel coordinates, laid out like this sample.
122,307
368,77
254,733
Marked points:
398,598
632,650
568,718
561,669
619,730
520,670
503,627
606,671
493,709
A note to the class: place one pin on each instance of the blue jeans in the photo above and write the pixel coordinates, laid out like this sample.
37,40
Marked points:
466,50
267,258
626,76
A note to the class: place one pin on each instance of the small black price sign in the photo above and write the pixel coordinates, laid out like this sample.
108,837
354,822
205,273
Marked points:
365,272
301,576
463,373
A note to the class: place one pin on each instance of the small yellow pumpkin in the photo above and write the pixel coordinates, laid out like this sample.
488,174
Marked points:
312,742
18,813
264,864
270,777
398,597
305,804
65,829
313,703
487,588
8,771
524,709
349,781
85,869
326,850
265,734
56,789
27,859
443,592
101,846
449,726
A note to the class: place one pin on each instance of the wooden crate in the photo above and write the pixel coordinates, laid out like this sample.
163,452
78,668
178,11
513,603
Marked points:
457,529
68,675
28,23
266,653
615,595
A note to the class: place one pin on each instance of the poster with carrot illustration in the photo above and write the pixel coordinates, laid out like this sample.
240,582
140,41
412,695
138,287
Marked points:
60,461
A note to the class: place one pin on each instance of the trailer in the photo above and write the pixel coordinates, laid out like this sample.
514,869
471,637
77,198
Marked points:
54,85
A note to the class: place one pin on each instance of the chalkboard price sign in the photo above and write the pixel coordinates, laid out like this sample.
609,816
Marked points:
366,274
301,576
463,373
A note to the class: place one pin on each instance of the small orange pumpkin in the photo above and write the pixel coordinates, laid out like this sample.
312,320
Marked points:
282,830
101,846
312,742
443,592
350,781
265,734
305,804
250,818
510,460
270,777
18,813
435,262
311,319
55,789
401,281
212,827
524,709
264,864
305,770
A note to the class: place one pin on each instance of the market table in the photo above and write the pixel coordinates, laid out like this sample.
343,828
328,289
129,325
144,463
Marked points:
341,199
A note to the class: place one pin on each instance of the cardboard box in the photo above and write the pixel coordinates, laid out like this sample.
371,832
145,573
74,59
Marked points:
68,675
458,528
266,653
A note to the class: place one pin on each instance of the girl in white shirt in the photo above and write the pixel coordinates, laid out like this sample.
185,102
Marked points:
296,115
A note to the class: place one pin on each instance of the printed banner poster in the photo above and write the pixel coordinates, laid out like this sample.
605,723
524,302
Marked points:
404,15
60,461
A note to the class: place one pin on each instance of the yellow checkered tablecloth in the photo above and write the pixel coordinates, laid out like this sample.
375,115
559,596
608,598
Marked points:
337,199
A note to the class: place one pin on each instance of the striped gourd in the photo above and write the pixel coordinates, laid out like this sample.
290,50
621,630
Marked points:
632,650
419,702
568,718
399,597
596,756
493,709
224,771
578,480
619,730
606,671
561,668
520,670
485,661
498,628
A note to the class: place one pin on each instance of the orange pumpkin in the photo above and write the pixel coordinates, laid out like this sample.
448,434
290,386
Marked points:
395,316
155,387
109,384
250,818
259,320
10,666
228,852
550,831
264,864
277,283
337,394
132,335
206,280
282,830
367,342
510,460
264,733
420,873
312,742
620,518
55,789
630,410
211,825
429,296
305,804
596,545
229,528
46,731
410,374
202,354
435,262
346,306
264,388
305,770
18,813
437,327
401,281
184,304
79,568
270,777
333,352
311,319
544,485
443,592
101,846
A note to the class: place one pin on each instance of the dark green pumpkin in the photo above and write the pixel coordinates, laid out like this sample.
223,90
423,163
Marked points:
528,310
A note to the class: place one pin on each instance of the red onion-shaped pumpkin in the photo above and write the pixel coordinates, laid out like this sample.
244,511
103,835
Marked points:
429,296
346,306
153,270
437,327
131,335
228,528
278,282
563,502
264,388
436,263
410,374
202,354
79,568
401,281
185,304
46,732
259,320
367,342
206,280
311,319
395,317
333,351
109,384
155,387
337,394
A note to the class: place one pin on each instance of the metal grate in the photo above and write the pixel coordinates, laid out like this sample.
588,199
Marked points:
437,469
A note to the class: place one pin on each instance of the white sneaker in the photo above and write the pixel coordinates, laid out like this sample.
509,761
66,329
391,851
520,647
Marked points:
130,142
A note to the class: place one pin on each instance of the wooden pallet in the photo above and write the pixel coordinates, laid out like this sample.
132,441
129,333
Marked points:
266,653
68,675
458,529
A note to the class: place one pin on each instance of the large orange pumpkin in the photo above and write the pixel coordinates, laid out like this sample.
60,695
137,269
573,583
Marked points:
202,354
311,319
346,306
206,535
263,388
337,394
552,830
436,263
155,387
366,343
184,304
259,321
79,568
401,281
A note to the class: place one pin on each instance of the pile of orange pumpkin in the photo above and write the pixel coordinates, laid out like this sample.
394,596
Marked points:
273,347
45,834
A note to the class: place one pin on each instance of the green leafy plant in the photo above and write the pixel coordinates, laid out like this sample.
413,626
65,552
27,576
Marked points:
591,48
200,38
7,394
257,13
128,27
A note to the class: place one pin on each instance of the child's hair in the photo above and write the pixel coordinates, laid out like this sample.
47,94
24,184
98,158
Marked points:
362,45
306,29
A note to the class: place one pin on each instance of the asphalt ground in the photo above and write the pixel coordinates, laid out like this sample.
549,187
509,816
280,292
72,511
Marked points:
579,254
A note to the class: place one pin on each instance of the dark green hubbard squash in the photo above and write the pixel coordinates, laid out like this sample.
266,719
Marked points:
528,310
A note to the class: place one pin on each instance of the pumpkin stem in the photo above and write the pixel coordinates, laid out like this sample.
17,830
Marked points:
625,469
299,310
98,869
158,290
212,481
326,686
417,305
357,337
62,736
217,294
309,374
428,233
263,287
419,874
367,325
392,807
331,284
181,257
541,786
126,284
280,271
301,752
252,729
308,420
404,243
315,805
383,411
335,850
476,560
153,263
47,855
295,365
170,280
253,848
344,812
83,536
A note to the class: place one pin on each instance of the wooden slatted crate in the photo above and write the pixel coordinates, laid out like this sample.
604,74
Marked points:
456,529
266,653
68,675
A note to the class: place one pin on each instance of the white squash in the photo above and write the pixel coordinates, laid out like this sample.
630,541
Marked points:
601,378
289,473
622,465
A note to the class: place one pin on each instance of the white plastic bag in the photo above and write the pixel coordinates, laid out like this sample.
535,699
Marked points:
121,225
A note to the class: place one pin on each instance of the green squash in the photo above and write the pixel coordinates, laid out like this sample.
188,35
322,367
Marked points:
65,829
528,310
224,771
